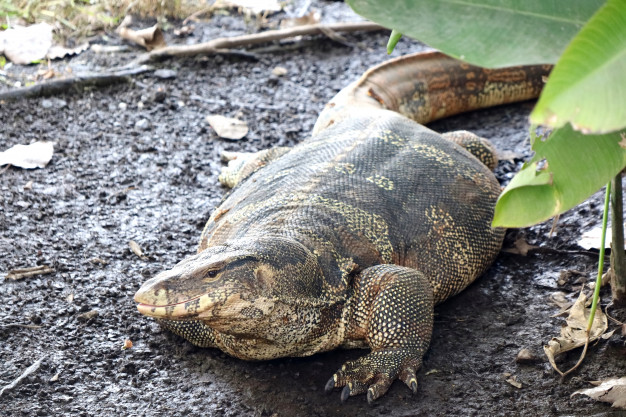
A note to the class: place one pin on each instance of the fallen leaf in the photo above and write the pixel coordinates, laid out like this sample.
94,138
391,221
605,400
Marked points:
21,273
150,38
58,52
525,356
55,377
185,30
311,18
561,302
88,315
514,382
134,246
26,44
574,334
35,155
254,6
612,390
127,344
520,247
591,238
226,127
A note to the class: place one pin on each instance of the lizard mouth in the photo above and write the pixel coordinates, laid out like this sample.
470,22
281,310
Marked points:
187,309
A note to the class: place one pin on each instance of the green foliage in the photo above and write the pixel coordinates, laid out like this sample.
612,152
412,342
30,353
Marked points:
489,33
393,41
587,87
567,168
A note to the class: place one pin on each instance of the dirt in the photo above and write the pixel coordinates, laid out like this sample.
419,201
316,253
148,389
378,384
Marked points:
138,162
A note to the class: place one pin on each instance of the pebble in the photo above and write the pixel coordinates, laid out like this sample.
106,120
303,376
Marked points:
165,74
143,124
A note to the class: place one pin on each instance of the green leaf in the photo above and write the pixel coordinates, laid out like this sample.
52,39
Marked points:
574,166
587,87
489,33
393,41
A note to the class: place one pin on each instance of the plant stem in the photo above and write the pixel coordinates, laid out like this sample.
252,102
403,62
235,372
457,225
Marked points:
596,291
618,257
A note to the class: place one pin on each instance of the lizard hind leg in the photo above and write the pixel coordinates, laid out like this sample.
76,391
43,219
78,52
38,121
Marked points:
243,164
481,148
393,312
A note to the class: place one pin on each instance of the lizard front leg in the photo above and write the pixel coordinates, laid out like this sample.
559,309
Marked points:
242,164
393,312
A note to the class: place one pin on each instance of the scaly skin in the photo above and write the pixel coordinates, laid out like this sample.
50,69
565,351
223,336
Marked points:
350,238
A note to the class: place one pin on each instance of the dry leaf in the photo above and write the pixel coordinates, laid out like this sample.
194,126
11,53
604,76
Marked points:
127,344
612,390
150,38
35,155
591,238
134,246
228,128
55,377
24,45
57,52
520,247
22,273
574,334
561,302
254,6
513,381
308,19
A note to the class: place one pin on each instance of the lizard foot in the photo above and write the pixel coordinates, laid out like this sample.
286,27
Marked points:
374,373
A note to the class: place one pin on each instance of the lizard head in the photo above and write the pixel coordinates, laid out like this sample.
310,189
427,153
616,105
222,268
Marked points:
241,280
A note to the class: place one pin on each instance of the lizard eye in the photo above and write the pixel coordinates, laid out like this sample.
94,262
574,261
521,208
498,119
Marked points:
212,273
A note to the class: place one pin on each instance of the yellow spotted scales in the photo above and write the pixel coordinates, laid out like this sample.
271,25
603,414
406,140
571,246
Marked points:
350,238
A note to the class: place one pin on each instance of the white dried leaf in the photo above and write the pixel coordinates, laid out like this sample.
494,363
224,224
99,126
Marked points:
134,246
228,128
254,6
612,390
26,44
35,155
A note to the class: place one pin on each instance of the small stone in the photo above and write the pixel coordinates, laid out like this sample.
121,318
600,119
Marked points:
526,356
279,71
122,106
143,124
165,74
53,103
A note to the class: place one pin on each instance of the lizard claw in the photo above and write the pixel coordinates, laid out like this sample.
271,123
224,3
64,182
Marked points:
330,385
345,393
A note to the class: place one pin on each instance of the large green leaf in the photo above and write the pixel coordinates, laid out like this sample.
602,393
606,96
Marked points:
587,87
489,33
567,168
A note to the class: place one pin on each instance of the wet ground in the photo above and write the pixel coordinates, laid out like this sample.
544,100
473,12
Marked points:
138,162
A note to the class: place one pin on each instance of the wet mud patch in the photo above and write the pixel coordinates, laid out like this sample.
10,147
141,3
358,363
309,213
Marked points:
138,162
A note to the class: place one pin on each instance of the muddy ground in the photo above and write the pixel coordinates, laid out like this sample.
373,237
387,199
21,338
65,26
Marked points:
138,162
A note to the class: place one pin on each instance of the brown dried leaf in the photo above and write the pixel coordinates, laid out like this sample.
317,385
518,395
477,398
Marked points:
127,344
311,18
574,334
150,38
228,128
520,247
612,390
514,382
21,273
35,155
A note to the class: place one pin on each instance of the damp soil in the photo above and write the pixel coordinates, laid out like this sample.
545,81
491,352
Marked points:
138,162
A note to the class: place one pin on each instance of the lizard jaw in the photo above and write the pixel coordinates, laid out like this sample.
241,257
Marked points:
188,309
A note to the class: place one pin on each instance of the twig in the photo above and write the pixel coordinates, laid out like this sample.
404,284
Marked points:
30,370
52,87
26,326
215,45
21,273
